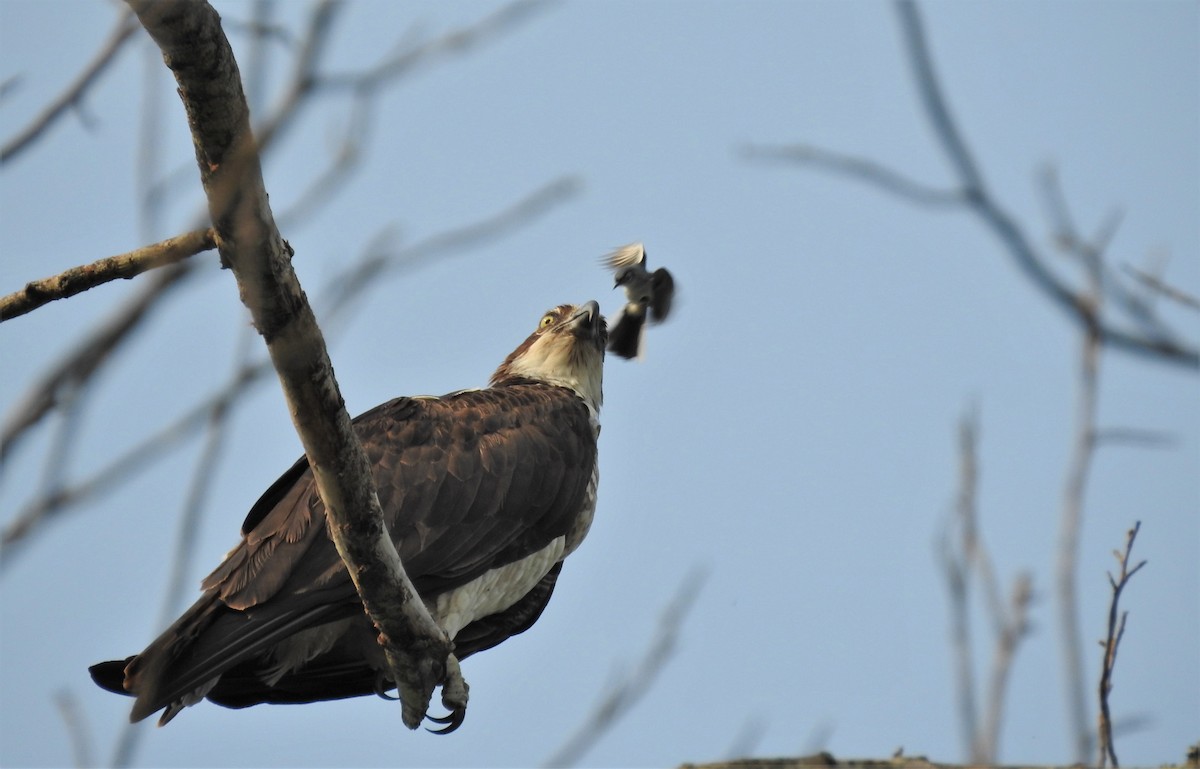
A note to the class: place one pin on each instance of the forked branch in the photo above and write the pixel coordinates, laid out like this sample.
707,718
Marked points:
1116,629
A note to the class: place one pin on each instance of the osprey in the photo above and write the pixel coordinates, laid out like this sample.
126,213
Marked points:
644,291
484,492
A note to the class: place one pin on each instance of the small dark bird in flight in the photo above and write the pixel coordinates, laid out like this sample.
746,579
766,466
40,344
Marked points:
485,493
646,293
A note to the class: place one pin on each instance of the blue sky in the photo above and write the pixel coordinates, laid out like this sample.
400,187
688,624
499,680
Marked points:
792,430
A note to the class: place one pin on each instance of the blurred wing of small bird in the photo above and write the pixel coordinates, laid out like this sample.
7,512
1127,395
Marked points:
647,295
485,492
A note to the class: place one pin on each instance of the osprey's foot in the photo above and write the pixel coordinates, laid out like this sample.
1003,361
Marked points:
454,698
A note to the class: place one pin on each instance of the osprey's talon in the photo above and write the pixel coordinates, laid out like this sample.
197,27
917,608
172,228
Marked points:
452,721
454,698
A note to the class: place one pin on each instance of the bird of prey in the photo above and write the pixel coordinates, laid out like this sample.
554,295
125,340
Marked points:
645,292
484,493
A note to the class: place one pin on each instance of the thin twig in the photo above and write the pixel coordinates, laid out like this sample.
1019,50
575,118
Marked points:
1160,286
1070,522
1133,436
1009,623
122,266
189,522
456,42
9,85
75,724
314,42
954,556
72,97
1014,628
149,148
1091,307
628,689
78,367
999,220
1116,630
126,465
869,171
1087,252
381,260
971,192
346,160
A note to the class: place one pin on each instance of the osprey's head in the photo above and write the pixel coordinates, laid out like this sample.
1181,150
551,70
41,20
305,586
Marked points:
566,349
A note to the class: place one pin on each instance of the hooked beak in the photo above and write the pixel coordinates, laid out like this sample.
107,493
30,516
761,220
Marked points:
587,321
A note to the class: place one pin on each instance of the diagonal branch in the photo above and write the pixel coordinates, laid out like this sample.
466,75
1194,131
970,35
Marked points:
1158,285
455,42
335,301
970,192
628,689
77,368
123,266
195,48
866,170
1000,221
74,93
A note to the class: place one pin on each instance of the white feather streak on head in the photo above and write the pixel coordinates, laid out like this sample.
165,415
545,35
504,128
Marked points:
566,350
625,256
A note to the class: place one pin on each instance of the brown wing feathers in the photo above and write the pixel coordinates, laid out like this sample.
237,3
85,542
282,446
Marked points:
468,482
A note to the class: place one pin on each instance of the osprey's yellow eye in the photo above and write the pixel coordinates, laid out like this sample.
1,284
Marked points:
547,320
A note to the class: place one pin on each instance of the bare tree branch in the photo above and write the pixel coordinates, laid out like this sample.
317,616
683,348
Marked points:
1134,436
956,567
380,260
149,145
866,170
1162,287
74,94
1000,221
631,687
1153,340
453,43
1116,629
189,522
1088,253
8,86
43,508
1083,450
1009,623
76,726
90,356
122,266
1014,627
78,367
195,48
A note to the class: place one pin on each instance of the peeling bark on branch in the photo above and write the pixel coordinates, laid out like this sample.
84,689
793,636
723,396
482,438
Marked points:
195,49
79,279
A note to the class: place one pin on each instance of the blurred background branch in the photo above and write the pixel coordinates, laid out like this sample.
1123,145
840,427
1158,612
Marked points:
1144,334
965,559
626,688
72,97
